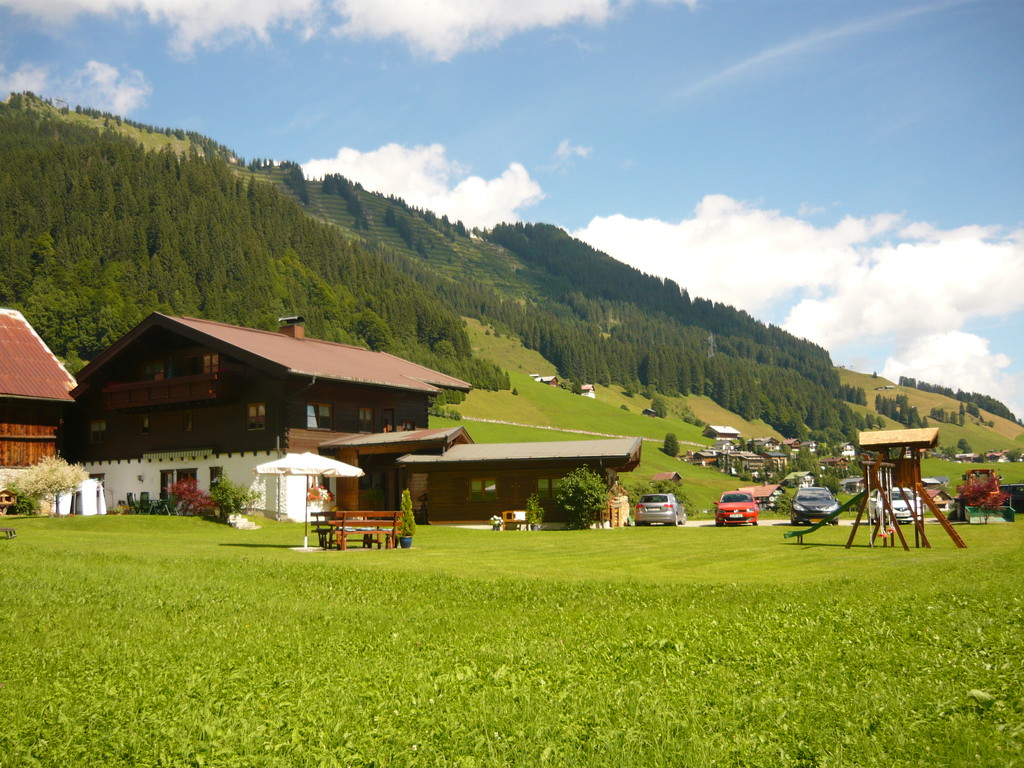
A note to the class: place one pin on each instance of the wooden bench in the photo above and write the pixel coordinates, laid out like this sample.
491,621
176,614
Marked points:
371,527
514,517
10,533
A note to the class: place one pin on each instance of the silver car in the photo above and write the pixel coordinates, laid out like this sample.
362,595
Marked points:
905,504
662,508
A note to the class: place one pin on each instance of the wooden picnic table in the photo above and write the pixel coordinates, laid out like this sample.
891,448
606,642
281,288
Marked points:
369,526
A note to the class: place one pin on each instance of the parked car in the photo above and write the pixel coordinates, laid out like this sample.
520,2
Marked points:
901,500
812,504
659,508
736,508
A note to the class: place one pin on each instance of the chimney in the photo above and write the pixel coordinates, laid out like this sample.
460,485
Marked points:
293,326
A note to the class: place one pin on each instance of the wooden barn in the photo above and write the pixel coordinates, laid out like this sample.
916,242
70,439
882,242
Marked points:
34,394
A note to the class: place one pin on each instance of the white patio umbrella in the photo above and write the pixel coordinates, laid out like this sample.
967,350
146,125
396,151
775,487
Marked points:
308,465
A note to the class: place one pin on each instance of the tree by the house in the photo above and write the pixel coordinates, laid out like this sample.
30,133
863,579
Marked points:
671,445
49,478
583,497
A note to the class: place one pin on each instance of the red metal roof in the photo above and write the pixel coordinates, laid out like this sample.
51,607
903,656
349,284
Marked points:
27,366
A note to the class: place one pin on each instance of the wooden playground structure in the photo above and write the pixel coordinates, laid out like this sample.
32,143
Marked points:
891,459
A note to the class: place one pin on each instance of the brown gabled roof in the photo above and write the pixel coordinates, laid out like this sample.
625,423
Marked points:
892,438
27,366
403,439
624,450
289,355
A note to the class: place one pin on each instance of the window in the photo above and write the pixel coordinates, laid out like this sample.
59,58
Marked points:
366,419
192,475
153,370
216,473
144,424
408,426
387,418
547,487
256,416
186,421
318,416
485,489
211,363
98,431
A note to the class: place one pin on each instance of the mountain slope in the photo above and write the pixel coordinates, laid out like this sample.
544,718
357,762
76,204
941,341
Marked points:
136,218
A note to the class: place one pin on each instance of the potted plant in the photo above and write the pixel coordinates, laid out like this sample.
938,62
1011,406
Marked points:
408,521
495,522
534,512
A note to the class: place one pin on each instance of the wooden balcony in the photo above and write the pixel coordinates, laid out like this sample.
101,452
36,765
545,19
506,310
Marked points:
199,388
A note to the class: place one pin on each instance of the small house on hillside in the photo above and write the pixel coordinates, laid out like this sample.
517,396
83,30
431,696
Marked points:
587,390
717,432
766,496
35,392
674,477
798,480
551,381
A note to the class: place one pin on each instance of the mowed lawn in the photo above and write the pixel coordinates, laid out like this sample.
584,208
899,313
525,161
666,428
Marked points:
144,641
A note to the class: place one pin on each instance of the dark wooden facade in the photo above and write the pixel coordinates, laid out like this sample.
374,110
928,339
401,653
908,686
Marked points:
29,430
141,415
474,491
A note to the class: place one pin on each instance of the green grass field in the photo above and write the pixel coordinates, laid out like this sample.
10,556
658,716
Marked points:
142,641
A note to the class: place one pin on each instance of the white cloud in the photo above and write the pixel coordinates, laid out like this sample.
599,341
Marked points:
566,151
424,176
193,21
443,28
104,87
27,77
880,281
439,29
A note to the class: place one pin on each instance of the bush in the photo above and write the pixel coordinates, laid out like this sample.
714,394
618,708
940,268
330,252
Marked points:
49,478
189,499
25,505
231,498
534,510
408,518
583,497
671,445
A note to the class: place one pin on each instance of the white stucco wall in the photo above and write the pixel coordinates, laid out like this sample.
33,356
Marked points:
280,498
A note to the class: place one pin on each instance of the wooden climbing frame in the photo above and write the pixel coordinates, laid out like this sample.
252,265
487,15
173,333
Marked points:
892,459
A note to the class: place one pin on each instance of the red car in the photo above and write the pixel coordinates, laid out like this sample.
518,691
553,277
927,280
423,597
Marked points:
736,508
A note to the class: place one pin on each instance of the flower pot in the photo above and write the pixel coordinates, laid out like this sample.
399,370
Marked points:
405,542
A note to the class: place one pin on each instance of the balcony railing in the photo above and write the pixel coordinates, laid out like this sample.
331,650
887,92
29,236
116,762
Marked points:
202,387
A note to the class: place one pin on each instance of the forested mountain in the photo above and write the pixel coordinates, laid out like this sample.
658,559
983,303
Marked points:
99,225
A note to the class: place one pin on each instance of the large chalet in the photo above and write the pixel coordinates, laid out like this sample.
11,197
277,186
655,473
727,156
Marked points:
182,398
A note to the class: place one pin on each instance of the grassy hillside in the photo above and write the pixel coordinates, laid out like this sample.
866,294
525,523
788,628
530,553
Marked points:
1005,434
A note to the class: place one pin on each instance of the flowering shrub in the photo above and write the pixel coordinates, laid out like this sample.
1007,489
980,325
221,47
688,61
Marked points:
319,493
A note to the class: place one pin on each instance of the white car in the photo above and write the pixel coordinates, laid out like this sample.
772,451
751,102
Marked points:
905,504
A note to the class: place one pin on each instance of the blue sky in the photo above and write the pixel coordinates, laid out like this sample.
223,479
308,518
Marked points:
852,171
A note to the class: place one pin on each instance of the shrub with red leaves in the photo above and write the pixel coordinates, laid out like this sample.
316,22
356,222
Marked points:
982,491
189,499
